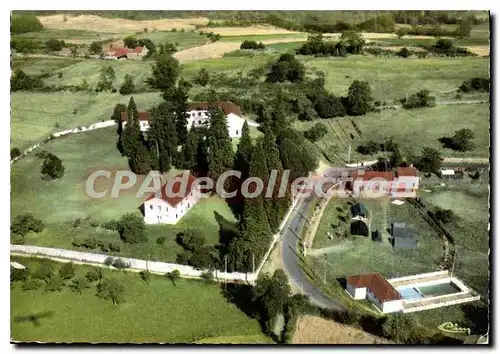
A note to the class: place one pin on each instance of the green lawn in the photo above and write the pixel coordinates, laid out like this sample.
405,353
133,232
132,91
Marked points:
58,203
184,39
153,312
411,129
358,254
36,115
393,78
90,70
36,66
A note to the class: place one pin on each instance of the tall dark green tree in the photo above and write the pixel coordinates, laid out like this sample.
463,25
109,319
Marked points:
244,152
275,206
359,98
163,135
190,149
296,155
220,154
255,231
131,135
141,161
178,98
164,73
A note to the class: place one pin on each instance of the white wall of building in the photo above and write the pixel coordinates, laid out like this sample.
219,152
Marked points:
392,306
158,211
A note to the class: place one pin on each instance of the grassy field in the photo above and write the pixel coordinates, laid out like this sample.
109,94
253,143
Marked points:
393,78
358,254
90,70
153,312
285,46
58,203
69,35
469,202
184,39
36,66
36,115
417,129
263,37
190,69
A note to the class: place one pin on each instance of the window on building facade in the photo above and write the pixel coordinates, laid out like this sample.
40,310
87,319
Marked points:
158,207
151,206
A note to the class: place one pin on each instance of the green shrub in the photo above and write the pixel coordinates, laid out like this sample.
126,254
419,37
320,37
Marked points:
109,261
160,240
120,264
475,84
52,168
419,100
14,152
26,222
67,271
318,131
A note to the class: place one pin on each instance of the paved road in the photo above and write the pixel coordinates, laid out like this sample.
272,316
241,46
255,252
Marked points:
290,260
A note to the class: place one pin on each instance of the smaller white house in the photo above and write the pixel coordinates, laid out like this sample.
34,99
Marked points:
143,121
376,289
172,201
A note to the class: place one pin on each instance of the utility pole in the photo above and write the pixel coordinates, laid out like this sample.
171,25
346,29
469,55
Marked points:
225,272
324,275
253,263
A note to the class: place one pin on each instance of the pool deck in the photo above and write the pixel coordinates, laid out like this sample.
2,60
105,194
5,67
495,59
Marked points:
414,282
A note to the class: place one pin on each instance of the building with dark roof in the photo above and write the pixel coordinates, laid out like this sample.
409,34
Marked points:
376,289
403,236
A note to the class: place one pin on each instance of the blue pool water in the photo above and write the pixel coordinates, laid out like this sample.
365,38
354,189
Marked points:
409,293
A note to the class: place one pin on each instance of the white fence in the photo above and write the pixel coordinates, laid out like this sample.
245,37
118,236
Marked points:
135,264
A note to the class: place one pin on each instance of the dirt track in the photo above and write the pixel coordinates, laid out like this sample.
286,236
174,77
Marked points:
117,25
316,330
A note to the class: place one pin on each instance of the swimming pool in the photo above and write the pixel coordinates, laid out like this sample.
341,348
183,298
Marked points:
415,293
409,293
439,289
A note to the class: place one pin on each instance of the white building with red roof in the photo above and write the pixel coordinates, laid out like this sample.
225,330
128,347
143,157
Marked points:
376,289
174,199
198,116
401,184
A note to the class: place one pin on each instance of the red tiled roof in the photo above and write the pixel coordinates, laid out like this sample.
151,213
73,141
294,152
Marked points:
142,116
138,49
119,52
227,106
173,201
377,284
406,171
368,175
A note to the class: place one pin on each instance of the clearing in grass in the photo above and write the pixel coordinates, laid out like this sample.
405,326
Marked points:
36,115
156,311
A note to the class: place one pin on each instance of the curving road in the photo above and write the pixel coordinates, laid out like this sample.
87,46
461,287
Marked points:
291,261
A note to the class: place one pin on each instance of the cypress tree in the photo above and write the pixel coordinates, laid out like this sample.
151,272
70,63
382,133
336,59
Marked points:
244,152
141,161
190,149
162,132
275,206
131,135
117,117
178,98
220,154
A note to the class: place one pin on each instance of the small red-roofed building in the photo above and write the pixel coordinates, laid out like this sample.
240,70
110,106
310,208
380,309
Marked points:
376,289
174,199
143,121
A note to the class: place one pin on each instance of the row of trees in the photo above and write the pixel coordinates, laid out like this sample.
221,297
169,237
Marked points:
252,45
350,42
